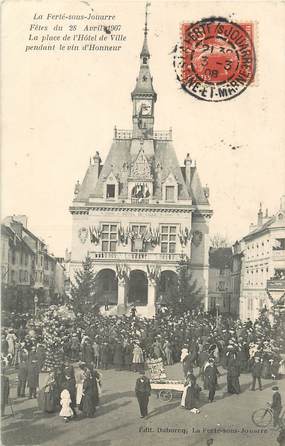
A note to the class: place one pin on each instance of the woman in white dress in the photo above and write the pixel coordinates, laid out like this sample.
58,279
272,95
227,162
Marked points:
79,378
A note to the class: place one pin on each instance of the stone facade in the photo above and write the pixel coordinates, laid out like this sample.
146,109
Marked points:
263,264
140,213
28,269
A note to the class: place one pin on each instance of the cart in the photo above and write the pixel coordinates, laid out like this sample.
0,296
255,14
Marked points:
166,391
165,388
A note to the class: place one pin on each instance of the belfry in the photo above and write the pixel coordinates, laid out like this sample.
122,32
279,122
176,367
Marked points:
140,213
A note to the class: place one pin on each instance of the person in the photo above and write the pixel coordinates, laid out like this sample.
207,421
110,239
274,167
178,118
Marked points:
22,378
119,356
74,347
79,379
233,376
187,364
88,401
211,374
65,402
48,395
168,352
276,406
11,339
281,436
105,355
70,384
186,384
5,390
138,359
87,351
133,311
192,394
143,391
96,352
106,303
256,373
33,378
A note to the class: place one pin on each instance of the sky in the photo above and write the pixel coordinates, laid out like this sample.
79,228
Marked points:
59,108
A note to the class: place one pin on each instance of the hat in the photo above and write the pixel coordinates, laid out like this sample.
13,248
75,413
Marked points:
275,388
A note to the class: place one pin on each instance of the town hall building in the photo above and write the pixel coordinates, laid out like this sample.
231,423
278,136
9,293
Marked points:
140,213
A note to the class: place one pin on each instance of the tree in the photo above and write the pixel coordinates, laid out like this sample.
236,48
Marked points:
83,287
187,296
219,241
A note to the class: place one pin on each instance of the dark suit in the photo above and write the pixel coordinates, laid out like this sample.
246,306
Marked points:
143,390
256,375
211,374
276,406
22,378
5,390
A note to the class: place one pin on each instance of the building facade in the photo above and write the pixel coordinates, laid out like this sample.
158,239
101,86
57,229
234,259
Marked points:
222,299
29,271
263,264
140,213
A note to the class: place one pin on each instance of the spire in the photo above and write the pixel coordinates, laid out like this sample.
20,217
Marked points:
144,80
145,51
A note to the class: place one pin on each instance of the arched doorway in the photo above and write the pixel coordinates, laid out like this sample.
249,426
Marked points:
168,285
106,287
138,286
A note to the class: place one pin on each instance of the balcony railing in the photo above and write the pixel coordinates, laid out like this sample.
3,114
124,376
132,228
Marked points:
278,254
140,200
136,256
276,284
160,135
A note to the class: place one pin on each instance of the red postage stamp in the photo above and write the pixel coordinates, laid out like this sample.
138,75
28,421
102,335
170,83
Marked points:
216,58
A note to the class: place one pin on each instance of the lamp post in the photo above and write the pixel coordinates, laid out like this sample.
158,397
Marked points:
217,314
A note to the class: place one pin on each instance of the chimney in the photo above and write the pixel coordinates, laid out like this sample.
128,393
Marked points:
77,187
282,203
260,216
187,163
158,179
97,164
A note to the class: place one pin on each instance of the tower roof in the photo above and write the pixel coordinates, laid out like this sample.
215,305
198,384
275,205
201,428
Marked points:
144,80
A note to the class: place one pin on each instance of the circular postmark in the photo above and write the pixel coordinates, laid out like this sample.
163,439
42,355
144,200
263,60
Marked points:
215,60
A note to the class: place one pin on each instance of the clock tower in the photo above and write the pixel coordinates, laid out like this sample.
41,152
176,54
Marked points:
144,96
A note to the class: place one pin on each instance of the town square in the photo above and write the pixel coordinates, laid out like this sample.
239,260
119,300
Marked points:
143,273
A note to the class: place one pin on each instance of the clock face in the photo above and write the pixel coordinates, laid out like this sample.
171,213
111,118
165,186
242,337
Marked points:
143,107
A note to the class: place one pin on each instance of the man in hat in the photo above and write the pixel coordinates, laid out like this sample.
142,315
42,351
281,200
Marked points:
143,391
256,373
276,406
33,378
211,374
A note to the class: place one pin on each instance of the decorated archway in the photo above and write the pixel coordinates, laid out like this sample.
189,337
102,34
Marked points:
138,288
167,288
106,287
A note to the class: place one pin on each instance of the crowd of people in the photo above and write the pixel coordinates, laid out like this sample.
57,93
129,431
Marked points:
55,340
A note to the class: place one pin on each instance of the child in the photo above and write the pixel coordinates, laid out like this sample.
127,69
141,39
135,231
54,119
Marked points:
276,406
66,411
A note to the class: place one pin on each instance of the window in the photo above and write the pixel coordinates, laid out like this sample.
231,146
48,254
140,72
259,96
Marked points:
13,257
138,242
169,193
111,190
168,239
109,237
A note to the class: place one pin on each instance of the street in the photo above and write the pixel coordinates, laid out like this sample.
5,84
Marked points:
117,422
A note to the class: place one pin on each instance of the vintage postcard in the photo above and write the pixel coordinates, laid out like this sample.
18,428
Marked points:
143,223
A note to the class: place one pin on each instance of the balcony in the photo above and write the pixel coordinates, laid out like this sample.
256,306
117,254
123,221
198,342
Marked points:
278,254
106,256
140,200
276,284
159,135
